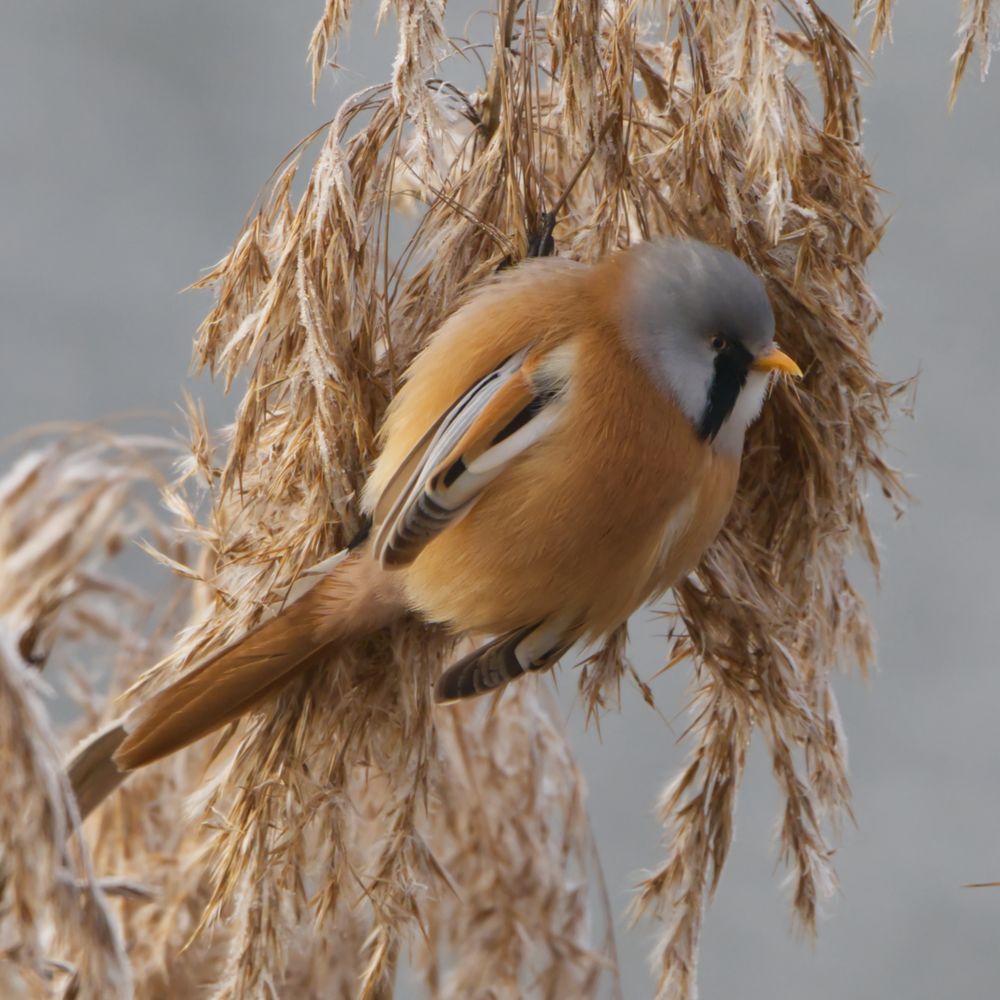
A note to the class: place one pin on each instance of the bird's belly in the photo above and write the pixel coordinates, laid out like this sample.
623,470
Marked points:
580,551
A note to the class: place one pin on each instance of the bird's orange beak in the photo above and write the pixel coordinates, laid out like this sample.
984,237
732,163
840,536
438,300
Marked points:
777,361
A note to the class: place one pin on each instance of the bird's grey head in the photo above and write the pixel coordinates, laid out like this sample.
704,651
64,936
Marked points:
700,322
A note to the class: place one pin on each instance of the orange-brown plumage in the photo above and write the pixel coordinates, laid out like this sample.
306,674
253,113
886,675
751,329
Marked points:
354,600
613,473
564,448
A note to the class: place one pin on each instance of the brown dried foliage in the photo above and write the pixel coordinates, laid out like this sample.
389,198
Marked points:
67,508
50,901
977,25
350,820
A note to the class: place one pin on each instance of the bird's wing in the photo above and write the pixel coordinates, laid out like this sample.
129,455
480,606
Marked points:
508,656
505,412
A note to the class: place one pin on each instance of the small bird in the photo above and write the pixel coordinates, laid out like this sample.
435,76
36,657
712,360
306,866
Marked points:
563,450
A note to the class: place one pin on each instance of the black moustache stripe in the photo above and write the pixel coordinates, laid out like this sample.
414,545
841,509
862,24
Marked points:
732,365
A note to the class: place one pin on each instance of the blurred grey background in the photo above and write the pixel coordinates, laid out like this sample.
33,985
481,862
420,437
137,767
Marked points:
134,136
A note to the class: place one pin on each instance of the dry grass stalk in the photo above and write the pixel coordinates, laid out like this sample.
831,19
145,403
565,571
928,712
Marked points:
50,903
881,11
977,24
523,902
350,821
66,507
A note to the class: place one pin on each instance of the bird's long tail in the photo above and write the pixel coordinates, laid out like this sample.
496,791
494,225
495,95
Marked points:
350,601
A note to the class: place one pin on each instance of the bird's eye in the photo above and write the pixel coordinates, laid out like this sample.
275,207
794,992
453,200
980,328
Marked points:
718,343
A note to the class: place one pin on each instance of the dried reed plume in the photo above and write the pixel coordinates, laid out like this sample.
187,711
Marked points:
349,821
67,507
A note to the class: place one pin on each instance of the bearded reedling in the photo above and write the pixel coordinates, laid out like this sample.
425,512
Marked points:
564,449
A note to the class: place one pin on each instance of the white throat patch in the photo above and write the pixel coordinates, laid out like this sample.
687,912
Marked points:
729,440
